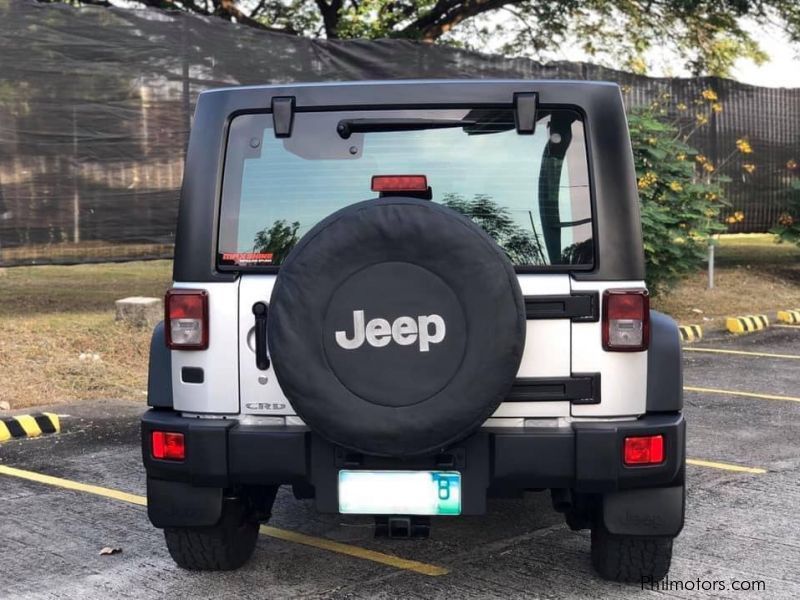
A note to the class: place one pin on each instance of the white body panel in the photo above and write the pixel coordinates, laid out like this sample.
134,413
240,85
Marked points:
554,348
623,375
260,392
219,392
547,349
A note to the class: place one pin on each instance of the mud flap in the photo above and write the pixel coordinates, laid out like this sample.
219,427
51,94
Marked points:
178,504
645,512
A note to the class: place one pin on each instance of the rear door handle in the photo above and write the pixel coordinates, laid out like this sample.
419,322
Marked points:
261,311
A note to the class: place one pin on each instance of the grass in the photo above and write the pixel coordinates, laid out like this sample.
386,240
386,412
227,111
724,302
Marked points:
753,276
51,315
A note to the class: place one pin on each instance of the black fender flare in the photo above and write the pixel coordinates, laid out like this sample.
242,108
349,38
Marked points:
664,365
159,371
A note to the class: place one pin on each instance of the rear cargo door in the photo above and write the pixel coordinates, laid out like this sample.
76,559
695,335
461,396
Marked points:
529,190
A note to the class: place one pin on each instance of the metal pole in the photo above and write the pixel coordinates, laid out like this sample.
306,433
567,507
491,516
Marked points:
76,198
711,264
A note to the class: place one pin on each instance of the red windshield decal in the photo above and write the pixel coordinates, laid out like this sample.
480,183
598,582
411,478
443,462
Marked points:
247,258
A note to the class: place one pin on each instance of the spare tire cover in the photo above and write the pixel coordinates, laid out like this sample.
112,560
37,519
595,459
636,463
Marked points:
396,327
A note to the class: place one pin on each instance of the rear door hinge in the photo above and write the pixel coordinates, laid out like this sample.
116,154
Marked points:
525,106
580,308
283,116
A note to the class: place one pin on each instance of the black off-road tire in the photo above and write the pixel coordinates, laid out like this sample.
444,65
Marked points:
628,559
222,547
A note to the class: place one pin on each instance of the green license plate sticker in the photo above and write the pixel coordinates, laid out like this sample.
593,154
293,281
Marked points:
400,492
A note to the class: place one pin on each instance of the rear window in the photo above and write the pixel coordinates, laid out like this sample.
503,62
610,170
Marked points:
528,192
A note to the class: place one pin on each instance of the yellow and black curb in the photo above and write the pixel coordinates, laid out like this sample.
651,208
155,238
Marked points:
33,425
691,333
746,324
790,317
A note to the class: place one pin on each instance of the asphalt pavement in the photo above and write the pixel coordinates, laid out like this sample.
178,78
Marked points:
65,496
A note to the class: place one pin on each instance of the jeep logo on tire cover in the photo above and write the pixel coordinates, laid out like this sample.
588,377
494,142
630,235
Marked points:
426,329
394,333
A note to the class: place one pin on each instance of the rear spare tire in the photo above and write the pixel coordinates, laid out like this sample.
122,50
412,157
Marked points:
396,327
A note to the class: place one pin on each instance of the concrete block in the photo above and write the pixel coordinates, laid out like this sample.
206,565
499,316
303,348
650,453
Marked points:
140,311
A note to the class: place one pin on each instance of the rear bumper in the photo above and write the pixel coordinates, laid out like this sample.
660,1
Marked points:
586,457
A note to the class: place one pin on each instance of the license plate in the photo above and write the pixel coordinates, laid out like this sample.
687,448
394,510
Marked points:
400,492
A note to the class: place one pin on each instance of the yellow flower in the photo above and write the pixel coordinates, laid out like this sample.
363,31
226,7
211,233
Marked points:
736,217
791,164
710,95
637,65
711,196
675,186
700,158
711,212
743,146
681,156
716,107
679,240
651,141
708,167
701,119
749,167
646,180
681,106
786,220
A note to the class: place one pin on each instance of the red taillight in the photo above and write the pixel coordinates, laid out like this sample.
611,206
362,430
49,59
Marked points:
626,320
645,450
167,445
399,183
186,319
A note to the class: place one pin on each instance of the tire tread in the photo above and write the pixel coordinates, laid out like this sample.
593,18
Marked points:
628,559
222,547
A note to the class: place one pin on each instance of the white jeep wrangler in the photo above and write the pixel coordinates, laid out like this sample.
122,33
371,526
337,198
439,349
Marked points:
401,298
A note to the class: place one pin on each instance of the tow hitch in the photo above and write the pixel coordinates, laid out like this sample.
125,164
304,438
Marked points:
403,527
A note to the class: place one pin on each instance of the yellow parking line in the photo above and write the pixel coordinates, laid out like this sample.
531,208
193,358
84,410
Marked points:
73,485
797,327
725,466
743,353
356,551
737,393
281,534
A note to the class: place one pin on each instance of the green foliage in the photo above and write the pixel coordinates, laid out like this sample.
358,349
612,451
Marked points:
788,227
279,239
680,198
521,247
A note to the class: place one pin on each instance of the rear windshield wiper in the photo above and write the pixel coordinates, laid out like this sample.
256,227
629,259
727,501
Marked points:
347,127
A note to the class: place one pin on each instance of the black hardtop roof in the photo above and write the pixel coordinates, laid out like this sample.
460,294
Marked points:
372,83
615,201
420,92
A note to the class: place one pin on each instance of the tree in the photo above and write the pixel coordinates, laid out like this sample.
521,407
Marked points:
521,247
682,192
710,35
788,226
278,240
